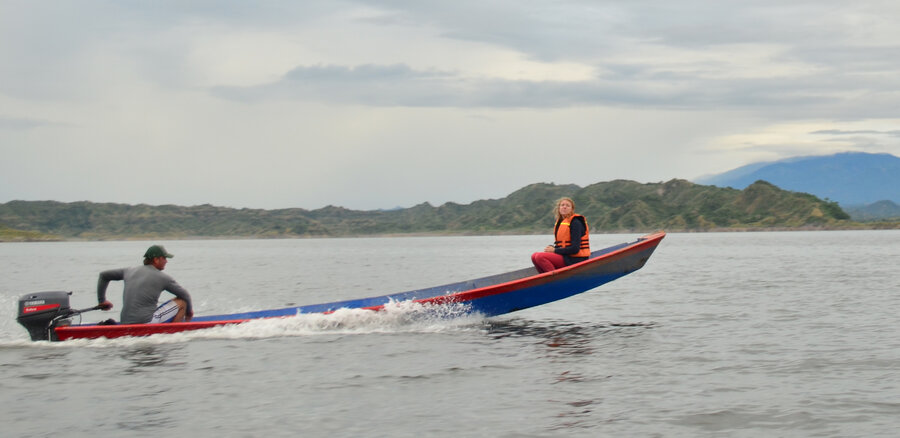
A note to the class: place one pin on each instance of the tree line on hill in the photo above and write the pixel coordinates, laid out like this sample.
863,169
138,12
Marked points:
615,206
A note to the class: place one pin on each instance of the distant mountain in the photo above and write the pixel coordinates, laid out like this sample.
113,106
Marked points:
850,178
881,210
615,206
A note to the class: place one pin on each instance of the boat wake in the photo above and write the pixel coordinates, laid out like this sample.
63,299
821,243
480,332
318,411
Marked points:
405,317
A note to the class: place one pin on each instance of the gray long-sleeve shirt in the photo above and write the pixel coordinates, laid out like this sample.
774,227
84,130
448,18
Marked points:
143,285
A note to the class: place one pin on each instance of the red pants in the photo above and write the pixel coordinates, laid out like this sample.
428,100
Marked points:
547,261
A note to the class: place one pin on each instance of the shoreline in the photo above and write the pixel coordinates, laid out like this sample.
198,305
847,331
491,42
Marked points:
31,238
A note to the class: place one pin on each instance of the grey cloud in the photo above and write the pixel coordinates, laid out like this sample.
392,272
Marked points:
815,36
362,73
376,85
548,31
22,124
554,30
812,33
840,49
629,85
892,133
47,45
399,85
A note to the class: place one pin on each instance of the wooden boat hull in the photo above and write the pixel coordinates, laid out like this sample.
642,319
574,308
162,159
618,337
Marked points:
488,296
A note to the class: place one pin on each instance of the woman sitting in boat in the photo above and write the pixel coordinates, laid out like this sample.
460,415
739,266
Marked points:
572,242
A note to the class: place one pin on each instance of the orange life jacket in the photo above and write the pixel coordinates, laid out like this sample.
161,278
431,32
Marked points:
564,238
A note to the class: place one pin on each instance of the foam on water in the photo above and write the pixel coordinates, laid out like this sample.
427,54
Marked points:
397,317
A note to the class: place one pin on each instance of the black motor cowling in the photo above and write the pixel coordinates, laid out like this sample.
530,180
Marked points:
41,311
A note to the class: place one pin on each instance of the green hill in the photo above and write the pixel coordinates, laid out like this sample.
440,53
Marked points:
12,235
615,206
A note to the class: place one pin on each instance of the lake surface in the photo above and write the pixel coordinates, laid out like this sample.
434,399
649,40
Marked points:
786,334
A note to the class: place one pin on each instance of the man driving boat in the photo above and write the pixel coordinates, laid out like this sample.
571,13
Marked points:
143,285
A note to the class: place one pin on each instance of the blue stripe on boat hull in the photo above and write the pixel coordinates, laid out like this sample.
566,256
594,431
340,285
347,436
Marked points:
534,289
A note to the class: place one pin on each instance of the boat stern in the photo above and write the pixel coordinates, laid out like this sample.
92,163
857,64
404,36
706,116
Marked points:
40,311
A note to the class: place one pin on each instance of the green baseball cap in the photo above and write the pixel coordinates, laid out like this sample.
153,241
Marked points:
157,251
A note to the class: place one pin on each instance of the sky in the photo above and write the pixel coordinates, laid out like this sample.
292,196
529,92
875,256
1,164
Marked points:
382,104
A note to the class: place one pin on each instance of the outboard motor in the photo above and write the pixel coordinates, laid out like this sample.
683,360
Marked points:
41,311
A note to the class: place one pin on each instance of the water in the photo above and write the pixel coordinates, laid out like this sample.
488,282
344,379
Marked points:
789,334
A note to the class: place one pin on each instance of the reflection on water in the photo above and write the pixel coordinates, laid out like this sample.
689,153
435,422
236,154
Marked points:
562,337
50,362
567,347
576,416
145,358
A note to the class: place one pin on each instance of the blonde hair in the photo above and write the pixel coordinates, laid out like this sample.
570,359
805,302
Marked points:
556,207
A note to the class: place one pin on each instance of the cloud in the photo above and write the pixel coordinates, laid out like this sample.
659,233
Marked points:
632,85
694,55
796,61
23,124
378,103
391,85
893,133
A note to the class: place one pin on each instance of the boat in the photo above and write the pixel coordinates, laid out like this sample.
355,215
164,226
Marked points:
48,316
